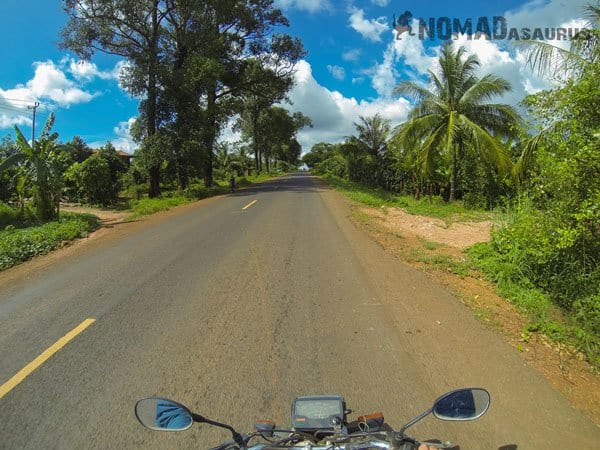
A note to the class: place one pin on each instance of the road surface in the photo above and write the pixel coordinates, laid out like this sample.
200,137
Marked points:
234,306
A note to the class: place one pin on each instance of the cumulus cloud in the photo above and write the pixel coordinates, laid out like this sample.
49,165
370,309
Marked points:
380,2
86,71
331,112
49,83
304,5
338,72
370,29
8,119
123,140
545,13
13,111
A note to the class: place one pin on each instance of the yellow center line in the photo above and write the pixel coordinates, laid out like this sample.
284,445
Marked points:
249,204
37,362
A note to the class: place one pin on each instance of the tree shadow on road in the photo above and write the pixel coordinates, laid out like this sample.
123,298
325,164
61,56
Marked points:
298,182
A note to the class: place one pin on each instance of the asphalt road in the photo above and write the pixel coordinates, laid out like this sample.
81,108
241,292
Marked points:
234,312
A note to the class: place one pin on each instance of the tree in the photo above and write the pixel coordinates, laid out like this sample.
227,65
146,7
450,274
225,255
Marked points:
8,177
318,153
373,133
92,180
454,115
78,149
220,52
42,166
127,28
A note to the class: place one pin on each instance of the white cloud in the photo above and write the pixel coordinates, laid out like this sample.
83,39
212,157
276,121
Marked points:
369,29
351,55
87,71
545,13
124,141
50,83
304,5
381,3
8,120
338,72
13,111
331,112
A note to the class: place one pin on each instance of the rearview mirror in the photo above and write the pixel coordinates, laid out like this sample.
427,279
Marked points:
462,404
162,414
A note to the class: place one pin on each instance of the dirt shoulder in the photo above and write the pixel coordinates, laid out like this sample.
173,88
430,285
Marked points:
439,249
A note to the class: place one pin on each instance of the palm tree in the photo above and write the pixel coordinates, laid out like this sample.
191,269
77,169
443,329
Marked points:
39,163
373,133
454,115
550,60
364,152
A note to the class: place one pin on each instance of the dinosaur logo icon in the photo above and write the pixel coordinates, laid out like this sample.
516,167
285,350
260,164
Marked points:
402,24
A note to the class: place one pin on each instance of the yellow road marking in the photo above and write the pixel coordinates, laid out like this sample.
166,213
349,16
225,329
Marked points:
249,204
37,362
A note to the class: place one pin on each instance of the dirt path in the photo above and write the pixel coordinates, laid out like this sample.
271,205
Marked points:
107,216
424,242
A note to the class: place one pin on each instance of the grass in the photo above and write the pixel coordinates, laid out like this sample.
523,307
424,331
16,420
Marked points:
426,206
147,206
21,244
543,315
442,262
429,245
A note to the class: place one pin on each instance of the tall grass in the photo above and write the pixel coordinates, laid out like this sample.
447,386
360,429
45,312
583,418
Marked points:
431,206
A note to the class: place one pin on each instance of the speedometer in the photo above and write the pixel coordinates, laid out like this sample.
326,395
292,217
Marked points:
317,412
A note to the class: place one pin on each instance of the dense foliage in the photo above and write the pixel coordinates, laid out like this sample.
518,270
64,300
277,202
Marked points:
194,65
552,241
18,245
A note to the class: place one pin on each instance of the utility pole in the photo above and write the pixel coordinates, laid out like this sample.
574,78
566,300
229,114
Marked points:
34,107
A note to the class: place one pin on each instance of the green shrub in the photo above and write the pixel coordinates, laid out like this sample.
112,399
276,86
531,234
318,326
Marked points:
334,165
18,245
92,180
474,200
136,191
16,218
540,264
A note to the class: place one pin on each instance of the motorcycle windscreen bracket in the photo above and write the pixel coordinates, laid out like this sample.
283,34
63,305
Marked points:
317,412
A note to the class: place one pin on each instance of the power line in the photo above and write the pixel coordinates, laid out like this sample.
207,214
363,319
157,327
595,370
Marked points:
14,109
16,99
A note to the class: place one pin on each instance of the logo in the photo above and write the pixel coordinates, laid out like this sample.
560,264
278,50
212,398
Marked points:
402,24
446,28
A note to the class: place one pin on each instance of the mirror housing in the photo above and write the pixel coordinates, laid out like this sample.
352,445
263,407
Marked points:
162,414
462,404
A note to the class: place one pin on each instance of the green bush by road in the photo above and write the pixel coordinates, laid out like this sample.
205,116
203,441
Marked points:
20,244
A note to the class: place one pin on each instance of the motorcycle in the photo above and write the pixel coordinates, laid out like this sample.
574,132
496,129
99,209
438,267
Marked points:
319,423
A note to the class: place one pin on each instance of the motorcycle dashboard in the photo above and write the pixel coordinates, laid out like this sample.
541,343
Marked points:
316,412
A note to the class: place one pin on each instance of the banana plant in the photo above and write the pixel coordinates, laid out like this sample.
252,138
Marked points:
39,162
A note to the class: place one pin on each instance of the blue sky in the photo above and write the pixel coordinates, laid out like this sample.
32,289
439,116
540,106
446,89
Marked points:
352,64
